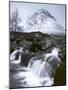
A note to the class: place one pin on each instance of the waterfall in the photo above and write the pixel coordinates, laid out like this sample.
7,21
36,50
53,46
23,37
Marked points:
12,56
39,70
34,65
13,59
43,68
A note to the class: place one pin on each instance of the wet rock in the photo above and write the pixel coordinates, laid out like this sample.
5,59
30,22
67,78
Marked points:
25,58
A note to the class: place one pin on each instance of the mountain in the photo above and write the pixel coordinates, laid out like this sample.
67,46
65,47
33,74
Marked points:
44,22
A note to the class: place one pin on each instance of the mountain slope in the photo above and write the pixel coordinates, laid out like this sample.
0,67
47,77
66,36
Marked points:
44,22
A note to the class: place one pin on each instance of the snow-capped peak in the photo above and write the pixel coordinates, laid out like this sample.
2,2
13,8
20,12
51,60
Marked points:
44,13
44,22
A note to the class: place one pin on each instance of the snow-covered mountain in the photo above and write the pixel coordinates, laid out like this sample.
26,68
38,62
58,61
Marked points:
44,22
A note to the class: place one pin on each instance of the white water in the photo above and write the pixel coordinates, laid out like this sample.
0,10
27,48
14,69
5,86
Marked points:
13,56
39,71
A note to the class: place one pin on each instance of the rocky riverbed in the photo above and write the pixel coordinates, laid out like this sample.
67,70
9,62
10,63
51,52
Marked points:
36,44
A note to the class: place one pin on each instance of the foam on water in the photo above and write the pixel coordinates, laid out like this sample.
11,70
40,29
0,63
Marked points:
39,71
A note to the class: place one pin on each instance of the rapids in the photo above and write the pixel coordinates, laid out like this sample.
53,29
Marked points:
39,71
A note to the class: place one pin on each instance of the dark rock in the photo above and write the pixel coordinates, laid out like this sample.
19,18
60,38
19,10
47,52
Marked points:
25,58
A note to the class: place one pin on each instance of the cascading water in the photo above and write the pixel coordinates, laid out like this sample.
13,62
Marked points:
39,70
13,59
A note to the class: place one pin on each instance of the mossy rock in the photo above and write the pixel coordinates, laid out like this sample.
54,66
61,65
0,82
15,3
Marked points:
35,46
60,75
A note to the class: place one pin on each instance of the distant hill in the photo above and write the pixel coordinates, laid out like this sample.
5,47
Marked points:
28,36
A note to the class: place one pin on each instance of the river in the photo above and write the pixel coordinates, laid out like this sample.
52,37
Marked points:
39,71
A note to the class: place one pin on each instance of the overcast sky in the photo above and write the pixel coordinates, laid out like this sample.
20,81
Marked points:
27,9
